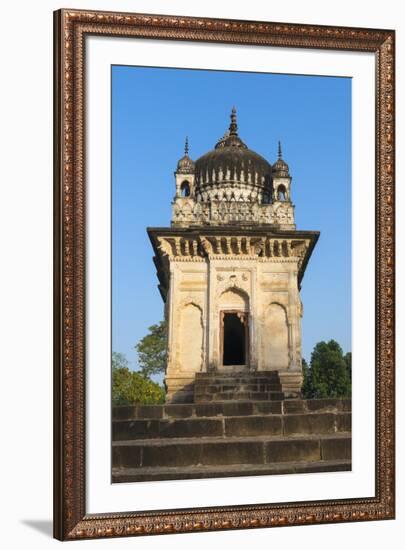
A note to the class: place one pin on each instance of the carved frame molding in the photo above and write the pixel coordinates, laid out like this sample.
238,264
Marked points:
70,518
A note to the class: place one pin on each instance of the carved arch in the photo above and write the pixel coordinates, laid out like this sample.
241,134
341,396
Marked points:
237,292
280,304
190,332
191,300
236,280
236,288
275,337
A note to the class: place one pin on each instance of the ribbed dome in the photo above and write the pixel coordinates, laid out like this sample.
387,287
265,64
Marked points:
233,166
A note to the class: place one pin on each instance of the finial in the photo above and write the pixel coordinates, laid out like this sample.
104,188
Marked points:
279,150
186,146
233,127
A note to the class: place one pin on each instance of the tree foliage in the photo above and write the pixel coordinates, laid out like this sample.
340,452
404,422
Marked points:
130,387
152,350
307,390
329,373
348,361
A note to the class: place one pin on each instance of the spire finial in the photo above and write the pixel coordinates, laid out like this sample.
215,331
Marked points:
279,150
186,147
233,127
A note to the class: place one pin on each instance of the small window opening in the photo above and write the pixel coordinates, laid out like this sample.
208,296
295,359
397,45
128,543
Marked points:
185,189
281,193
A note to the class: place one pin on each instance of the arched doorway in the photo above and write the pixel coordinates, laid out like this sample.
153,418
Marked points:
234,328
234,338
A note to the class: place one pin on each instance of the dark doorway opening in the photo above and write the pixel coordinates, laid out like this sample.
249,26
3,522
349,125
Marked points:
234,338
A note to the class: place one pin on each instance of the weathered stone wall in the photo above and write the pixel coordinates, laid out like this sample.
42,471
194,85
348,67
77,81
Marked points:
265,288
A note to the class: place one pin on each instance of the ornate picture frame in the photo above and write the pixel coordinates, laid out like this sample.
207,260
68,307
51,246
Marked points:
71,519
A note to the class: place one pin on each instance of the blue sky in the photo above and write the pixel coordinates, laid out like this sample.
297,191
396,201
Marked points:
153,109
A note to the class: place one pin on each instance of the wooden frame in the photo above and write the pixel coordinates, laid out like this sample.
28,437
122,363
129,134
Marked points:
70,518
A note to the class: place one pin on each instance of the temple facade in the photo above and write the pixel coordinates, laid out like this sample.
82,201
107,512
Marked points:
230,268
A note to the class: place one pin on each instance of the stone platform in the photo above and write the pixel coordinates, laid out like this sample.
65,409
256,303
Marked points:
232,437
249,386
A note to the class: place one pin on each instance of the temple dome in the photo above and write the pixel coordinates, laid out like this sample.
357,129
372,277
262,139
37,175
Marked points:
231,165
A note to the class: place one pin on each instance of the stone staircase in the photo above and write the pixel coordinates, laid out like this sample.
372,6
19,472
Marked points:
232,437
254,386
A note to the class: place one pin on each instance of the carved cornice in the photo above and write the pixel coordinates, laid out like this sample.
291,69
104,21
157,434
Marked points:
196,247
71,28
199,246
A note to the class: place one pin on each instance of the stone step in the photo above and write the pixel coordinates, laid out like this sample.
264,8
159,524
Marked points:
237,380
217,451
245,386
231,408
126,475
233,426
217,388
238,396
270,374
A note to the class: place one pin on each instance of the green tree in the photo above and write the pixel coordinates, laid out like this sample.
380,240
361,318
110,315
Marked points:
348,361
130,387
329,373
119,361
307,389
152,350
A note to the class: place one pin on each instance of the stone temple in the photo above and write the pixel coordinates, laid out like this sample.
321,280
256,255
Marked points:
230,268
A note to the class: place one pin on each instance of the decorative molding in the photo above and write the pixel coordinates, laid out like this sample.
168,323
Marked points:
197,246
221,207
239,281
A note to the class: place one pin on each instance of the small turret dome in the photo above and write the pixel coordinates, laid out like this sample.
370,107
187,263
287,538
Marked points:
280,167
185,164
